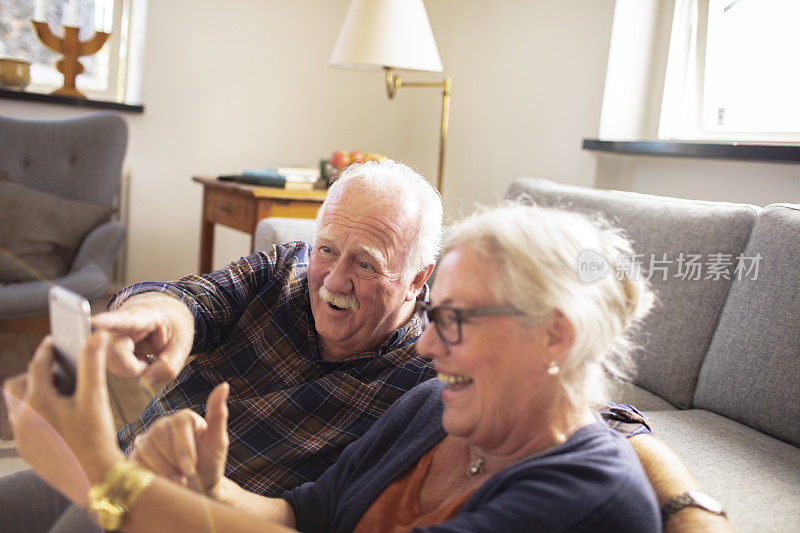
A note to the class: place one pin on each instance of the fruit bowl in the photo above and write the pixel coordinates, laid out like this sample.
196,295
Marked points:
339,160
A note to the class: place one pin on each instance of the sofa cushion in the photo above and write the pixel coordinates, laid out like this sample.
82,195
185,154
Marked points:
754,475
41,232
676,335
751,372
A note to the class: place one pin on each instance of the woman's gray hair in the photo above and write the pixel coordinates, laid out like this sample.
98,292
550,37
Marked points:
537,251
423,200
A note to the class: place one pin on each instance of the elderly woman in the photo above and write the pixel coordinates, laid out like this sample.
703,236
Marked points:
505,440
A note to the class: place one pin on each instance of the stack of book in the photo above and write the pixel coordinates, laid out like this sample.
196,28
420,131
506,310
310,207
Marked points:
292,178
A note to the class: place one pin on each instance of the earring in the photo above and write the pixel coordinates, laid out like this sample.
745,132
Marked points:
553,369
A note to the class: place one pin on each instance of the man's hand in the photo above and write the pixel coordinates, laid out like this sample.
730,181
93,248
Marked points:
188,449
69,441
148,326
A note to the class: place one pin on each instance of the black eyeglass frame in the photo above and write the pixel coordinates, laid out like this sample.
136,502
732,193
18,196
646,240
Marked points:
462,315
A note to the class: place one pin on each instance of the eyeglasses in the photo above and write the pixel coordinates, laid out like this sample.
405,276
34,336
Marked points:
448,319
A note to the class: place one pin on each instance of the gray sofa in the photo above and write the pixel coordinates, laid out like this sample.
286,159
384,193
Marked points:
718,371
718,368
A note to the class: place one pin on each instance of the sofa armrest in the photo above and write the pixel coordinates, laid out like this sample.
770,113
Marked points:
100,247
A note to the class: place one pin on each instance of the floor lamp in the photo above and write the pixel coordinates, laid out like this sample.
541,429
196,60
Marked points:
389,35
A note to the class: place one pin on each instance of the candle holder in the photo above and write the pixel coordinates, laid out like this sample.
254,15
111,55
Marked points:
71,48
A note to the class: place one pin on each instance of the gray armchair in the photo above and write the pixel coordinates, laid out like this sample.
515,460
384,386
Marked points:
273,230
58,184
80,160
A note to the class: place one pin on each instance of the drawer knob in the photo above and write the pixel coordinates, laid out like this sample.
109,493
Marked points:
226,208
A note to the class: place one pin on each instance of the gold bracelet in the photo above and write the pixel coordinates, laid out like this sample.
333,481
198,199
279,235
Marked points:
110,501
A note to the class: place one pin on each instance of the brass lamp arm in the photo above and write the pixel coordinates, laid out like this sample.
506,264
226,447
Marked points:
393,82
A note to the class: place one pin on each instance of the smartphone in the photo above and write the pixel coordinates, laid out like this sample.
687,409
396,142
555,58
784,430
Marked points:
70,326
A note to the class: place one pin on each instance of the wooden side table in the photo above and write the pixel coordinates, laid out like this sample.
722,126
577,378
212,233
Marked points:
241,206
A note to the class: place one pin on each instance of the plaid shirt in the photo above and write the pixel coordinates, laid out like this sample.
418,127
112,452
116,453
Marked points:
626,419
291,413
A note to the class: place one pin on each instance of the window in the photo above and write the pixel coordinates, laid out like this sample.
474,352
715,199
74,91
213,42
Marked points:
105,73
731,71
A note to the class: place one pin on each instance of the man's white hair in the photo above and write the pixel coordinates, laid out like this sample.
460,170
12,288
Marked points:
536,251
420,197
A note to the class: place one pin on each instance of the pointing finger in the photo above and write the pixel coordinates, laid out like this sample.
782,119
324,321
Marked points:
217,418
126,320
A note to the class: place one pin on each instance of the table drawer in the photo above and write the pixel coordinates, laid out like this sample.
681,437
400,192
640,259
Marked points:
288,208
229,208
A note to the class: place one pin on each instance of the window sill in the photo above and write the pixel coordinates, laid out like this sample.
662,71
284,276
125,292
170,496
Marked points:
54,99
707,150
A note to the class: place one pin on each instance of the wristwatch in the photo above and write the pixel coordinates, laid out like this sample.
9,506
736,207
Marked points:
691,498
109,502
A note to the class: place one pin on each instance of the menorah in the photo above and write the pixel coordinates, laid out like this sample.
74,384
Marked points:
71,47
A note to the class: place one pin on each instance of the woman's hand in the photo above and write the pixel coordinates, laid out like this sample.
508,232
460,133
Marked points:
68,440
188,449
148,325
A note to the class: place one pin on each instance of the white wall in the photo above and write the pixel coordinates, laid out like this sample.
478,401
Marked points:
528,79
237,84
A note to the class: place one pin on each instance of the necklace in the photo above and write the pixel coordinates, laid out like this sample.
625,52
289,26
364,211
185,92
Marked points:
477,467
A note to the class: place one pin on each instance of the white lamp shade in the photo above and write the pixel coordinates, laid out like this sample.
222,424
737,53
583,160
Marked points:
386,33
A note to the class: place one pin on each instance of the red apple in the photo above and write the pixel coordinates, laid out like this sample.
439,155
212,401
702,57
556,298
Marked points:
340,159
357,156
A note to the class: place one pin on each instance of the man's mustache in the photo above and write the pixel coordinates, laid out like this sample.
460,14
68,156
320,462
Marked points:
342,301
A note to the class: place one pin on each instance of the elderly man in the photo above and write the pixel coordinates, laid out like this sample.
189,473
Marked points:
316,343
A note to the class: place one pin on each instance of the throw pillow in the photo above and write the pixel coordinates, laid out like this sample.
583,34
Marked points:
40,233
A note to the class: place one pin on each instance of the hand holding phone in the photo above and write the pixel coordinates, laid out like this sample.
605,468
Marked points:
70,326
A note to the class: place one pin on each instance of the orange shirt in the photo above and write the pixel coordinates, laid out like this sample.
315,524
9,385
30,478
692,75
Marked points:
397,508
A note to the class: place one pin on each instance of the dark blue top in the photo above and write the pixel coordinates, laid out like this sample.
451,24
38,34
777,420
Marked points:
593,482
